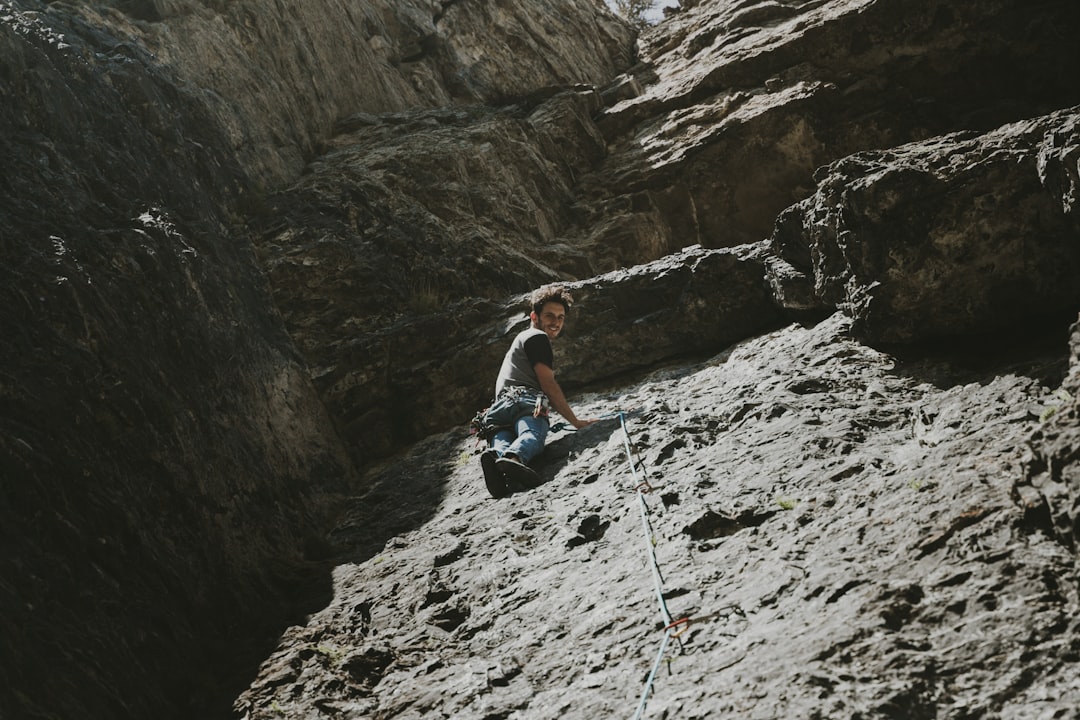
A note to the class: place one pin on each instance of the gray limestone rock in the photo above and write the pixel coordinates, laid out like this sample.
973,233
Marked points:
836,525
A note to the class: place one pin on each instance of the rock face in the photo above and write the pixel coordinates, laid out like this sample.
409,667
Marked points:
261,261
835,522
278,76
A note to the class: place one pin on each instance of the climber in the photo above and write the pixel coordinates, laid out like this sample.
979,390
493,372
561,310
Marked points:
524,391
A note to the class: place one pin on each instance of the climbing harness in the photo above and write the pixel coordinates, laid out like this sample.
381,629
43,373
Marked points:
514,402
673,629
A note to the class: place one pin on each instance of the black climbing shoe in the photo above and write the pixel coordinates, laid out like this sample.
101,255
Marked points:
518,474
493,476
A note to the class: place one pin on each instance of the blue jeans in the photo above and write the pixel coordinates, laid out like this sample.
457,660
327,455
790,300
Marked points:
525,439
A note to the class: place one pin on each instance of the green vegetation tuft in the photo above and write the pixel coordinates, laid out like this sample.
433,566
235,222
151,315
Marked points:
1061,394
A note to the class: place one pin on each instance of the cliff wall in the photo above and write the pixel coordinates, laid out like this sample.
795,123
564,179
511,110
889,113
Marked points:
260,263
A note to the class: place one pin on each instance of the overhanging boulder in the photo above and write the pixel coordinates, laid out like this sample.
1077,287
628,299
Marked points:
958,235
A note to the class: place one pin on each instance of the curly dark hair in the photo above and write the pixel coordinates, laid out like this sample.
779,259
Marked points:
550,293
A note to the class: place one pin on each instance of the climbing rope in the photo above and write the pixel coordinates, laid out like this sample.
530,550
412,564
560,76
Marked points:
642,486
672,629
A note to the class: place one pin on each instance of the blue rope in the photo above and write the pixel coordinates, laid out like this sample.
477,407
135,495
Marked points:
658,579
652,674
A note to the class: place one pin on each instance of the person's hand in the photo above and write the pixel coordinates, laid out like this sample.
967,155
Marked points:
584,423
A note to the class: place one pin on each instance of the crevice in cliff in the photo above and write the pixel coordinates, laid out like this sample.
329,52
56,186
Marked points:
1037,350
427,47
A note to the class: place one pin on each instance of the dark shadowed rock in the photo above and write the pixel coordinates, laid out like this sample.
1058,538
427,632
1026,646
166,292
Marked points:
689,303
165,461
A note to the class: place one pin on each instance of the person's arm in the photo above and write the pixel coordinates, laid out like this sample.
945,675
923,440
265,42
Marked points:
555,395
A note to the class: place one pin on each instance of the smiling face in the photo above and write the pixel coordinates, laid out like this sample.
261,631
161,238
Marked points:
551,318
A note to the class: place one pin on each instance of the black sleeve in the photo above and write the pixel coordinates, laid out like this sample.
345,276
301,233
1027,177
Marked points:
538,350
